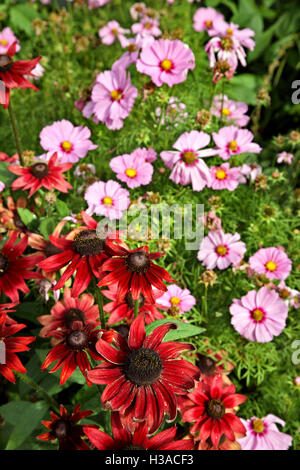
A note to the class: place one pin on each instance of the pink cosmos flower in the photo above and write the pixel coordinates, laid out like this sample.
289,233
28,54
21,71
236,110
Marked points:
290,296
259,316
7,39
204,20
166,61
133,46
108,199
2,186
132,170
230,140
250,171
138,10
112,31
186,162
224,68
71,143
224,177
176,297
147,155
263,434
97,3
147,26
272,262
221,249
231,111
244,36
285,157
113,97
226,47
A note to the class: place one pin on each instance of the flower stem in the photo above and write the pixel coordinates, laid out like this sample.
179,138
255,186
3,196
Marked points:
100,304
15,130
40,390
204,303
136,308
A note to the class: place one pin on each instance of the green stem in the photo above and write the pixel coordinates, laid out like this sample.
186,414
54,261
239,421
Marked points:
100,304
15,130
222,103
136,308
204,302
39,389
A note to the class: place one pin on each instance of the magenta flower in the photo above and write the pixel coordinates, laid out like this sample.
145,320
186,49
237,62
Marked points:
221,249
166,61
259,316
272,262
224,177
71,143
133,46
113,97
132,170
263,434
108,199
285,157
176,297
227,47
186,162
204,20
7,39
232,111
230,140
147,155
112,31
147,26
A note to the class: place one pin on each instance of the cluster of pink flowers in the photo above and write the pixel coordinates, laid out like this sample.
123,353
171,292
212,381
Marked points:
134,169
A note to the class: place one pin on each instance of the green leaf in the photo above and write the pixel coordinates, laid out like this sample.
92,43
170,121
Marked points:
26,216
6,176
62,208
244,88
21,17
184,330
25,417
46,227
30,311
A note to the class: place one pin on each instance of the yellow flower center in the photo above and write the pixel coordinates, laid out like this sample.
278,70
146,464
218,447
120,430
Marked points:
116,95
148,25
258,314
221,174
175,300
233,145
3,42
221,250
229,31
132,48
67,146
107,201
208,23
226,112
130,172
166,64
114,31
226,43
271,266
188,157
258,426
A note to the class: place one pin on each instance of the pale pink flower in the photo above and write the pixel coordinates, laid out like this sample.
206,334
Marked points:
107,198
225,48
174,114
2,186
147,26
290,296
297,381
113,97
133,46
205,18
224,177
285,157
147,155
97,3
224,68
132,170
38,71
250,171
186,161
259,315
138,10
71,143
176,297
221,249
263,434
112,31
7,38
211,221
232,111
231,140
244,36
166,61
272,262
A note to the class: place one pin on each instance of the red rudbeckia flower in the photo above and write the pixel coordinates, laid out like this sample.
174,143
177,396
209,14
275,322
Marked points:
68,310
211,405
84,253
13,269
133,270
11,347
144,375
41,175
124,309
6,308
124,440
64,428
12,74
71,351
